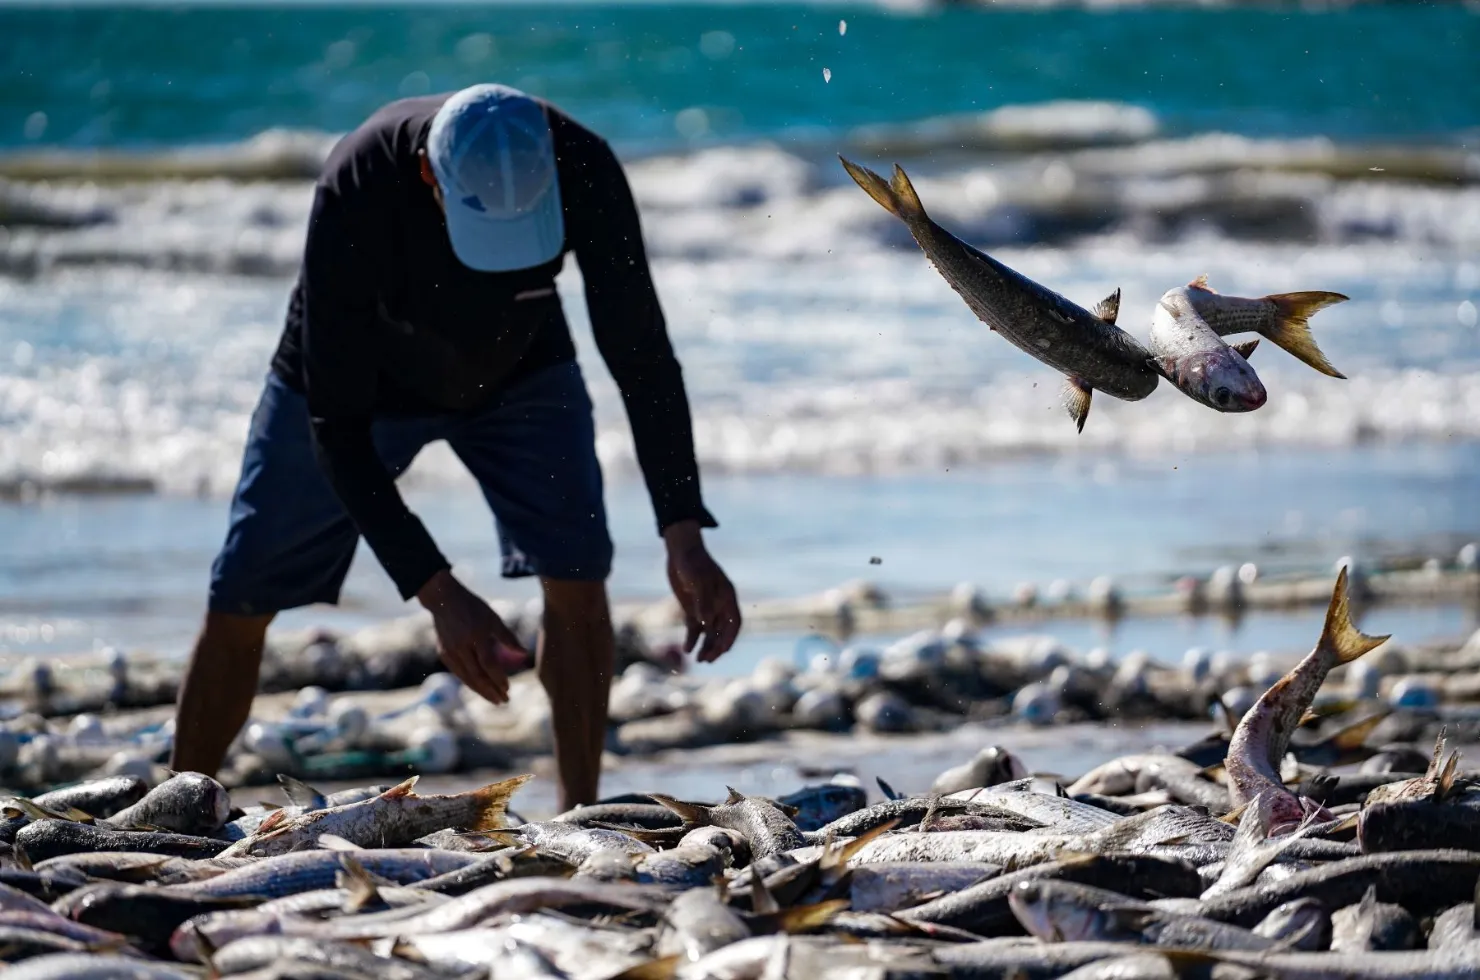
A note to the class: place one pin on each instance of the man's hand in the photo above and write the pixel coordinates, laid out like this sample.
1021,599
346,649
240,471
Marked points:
472,641
710,608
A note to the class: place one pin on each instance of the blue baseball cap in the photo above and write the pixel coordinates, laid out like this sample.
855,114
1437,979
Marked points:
493,155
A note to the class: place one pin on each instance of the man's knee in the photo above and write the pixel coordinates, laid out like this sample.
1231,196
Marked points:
572,601
233,633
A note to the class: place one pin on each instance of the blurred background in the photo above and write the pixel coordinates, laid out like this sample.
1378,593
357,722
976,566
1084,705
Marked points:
155,172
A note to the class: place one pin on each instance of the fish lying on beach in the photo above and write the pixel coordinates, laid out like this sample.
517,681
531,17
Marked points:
1087,347
1195,359
395,818
187,803
1263,734
1152,865
1283,318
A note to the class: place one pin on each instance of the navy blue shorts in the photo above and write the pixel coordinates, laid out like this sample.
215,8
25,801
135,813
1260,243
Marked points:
532,450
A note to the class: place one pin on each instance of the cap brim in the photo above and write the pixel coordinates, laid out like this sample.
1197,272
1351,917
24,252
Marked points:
488,244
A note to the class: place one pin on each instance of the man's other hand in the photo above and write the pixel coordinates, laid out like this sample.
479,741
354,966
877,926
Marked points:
472,641
710,608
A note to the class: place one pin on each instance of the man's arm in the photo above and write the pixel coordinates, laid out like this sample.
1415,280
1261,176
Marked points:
632,336
627,323
339,378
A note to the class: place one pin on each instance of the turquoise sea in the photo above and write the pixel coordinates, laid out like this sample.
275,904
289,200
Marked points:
155,164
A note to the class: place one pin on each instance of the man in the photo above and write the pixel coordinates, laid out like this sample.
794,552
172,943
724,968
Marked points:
426,309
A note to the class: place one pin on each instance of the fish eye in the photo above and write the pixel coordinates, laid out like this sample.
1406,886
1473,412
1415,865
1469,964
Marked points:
1222,395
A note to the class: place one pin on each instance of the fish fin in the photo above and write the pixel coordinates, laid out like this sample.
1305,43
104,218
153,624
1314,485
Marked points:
33,810
1246,347
762,902
735,796
1368,905
357,881
875,186
663,968
1075,394
502,838
21,858
1108,309
140,874
1228,720
1292,330
1307,718
1069,856
1339,635
333,842
643,834
1440,742
1201,282
269,806
273,819
401,790
1446,779
1353,737
890,793
930,812
805,918
300,793
840,857
205,950
1236,815
690,812
493,799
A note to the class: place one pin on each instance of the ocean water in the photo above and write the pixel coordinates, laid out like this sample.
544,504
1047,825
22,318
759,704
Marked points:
155,171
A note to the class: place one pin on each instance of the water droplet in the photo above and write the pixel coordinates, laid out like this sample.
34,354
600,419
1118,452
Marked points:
691,123
826,75
717,45
842,27
1466,314
35,126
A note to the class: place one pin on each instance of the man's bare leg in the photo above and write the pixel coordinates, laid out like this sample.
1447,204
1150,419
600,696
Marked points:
576,654
217,690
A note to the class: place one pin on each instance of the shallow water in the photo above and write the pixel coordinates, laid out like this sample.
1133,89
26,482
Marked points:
131,571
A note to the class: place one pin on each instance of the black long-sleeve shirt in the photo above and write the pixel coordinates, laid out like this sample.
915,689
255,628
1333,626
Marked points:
385,320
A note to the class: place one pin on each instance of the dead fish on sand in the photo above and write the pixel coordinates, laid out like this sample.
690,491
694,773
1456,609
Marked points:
1091,351
395,818
1262,736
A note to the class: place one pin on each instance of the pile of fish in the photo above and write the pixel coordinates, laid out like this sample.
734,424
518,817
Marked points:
1231,858
1186,345
928,681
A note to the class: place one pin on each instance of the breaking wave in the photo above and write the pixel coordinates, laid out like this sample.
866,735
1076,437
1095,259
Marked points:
141,294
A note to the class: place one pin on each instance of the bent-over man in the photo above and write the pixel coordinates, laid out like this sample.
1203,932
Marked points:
426,309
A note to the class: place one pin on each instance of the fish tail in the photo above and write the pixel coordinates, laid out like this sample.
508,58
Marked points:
690,812
897,197
904,193
300,793
1339,635
1292,329
492,800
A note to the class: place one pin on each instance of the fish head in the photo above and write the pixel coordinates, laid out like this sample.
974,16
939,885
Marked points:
1221,379
1051,917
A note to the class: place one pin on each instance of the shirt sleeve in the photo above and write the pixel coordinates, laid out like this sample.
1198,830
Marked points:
341,257
629,328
